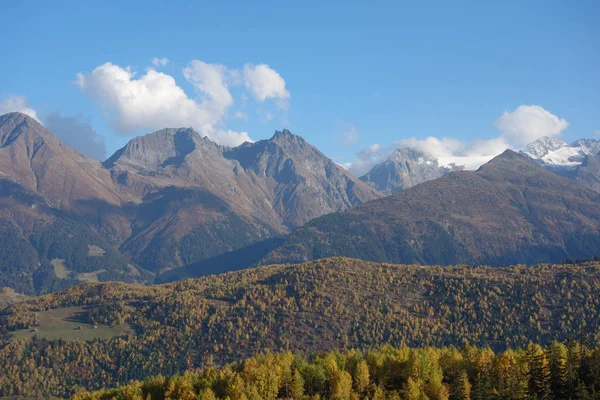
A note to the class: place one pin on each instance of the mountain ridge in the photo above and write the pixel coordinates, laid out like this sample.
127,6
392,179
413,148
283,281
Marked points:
172,197
508,211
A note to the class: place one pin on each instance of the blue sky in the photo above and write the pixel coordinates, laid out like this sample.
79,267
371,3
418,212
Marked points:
355,79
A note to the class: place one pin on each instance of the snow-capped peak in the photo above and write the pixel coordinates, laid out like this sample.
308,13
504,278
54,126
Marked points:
542,146
556,153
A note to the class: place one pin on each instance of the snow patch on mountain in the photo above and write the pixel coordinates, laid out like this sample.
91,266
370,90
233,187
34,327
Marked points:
555,153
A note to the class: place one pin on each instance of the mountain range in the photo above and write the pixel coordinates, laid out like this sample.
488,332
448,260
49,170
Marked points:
173,204
509,211
408,167
166,199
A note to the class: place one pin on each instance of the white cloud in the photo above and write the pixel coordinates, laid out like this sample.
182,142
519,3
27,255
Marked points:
18,104
432,146
528,123
517,129
210,81
264,83
597,133
229,136
160,62
155,101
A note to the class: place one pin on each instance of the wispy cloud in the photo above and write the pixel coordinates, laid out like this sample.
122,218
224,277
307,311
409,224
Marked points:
160,62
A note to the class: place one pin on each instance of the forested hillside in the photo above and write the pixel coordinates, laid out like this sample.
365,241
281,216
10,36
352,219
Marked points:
328,304
560,371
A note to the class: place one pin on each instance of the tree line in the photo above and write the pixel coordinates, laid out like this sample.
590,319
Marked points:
559,371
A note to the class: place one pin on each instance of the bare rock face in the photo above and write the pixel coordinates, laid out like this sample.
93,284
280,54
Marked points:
403,169
509,211
302,182
173,198
206,191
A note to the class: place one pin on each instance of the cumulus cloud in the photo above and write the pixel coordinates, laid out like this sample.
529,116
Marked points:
160,62
528,123
17,104
78,133
264,83
210,81
517,128
155,101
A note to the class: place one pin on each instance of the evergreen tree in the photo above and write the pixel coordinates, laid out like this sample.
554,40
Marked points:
558,370
461,388
362,377
539,374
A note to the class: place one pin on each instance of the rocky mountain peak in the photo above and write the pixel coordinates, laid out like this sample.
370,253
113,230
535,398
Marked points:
587,146
542,146
559,156
410,155
404,168
161,148
287,139
15,125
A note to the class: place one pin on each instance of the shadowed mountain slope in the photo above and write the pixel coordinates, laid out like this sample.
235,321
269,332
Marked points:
509,211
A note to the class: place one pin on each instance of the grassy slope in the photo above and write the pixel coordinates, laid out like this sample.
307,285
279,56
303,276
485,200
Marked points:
62,323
